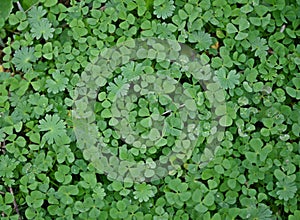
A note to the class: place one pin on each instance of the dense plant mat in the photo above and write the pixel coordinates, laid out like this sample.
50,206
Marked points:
150,109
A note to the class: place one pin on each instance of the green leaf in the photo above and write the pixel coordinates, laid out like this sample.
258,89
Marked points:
113,122
143,192
50,3
201,208
246,9
146,122
203,40
168,86
228,81
42,28
219,169
185,196
256,143
154,134
230,28
221,110
241,36
255,21
55,129
149,173
58,83
296,129
295,216
163,8
141,8
144,112
30,213
251,156
209,199
94,213
106,113
265,151
268,122
291,91
286,190
26,4
64,193
5,9
23,58
9,198
243,24
225,121
279,174
197,195
296,82
35,199
190,105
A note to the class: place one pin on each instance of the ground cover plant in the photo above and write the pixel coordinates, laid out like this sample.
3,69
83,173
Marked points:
149,109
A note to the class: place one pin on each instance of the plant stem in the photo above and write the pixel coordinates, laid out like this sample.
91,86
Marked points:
2,43
20,6
15,203
282,28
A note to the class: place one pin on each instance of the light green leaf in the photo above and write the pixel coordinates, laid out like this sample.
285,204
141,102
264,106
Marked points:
296,82
146,122
190,104
154,134
230,28
50,3
225,121
241,36
209,199
168,86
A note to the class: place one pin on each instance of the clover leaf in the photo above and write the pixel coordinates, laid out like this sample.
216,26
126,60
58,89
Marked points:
35,199
65,193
